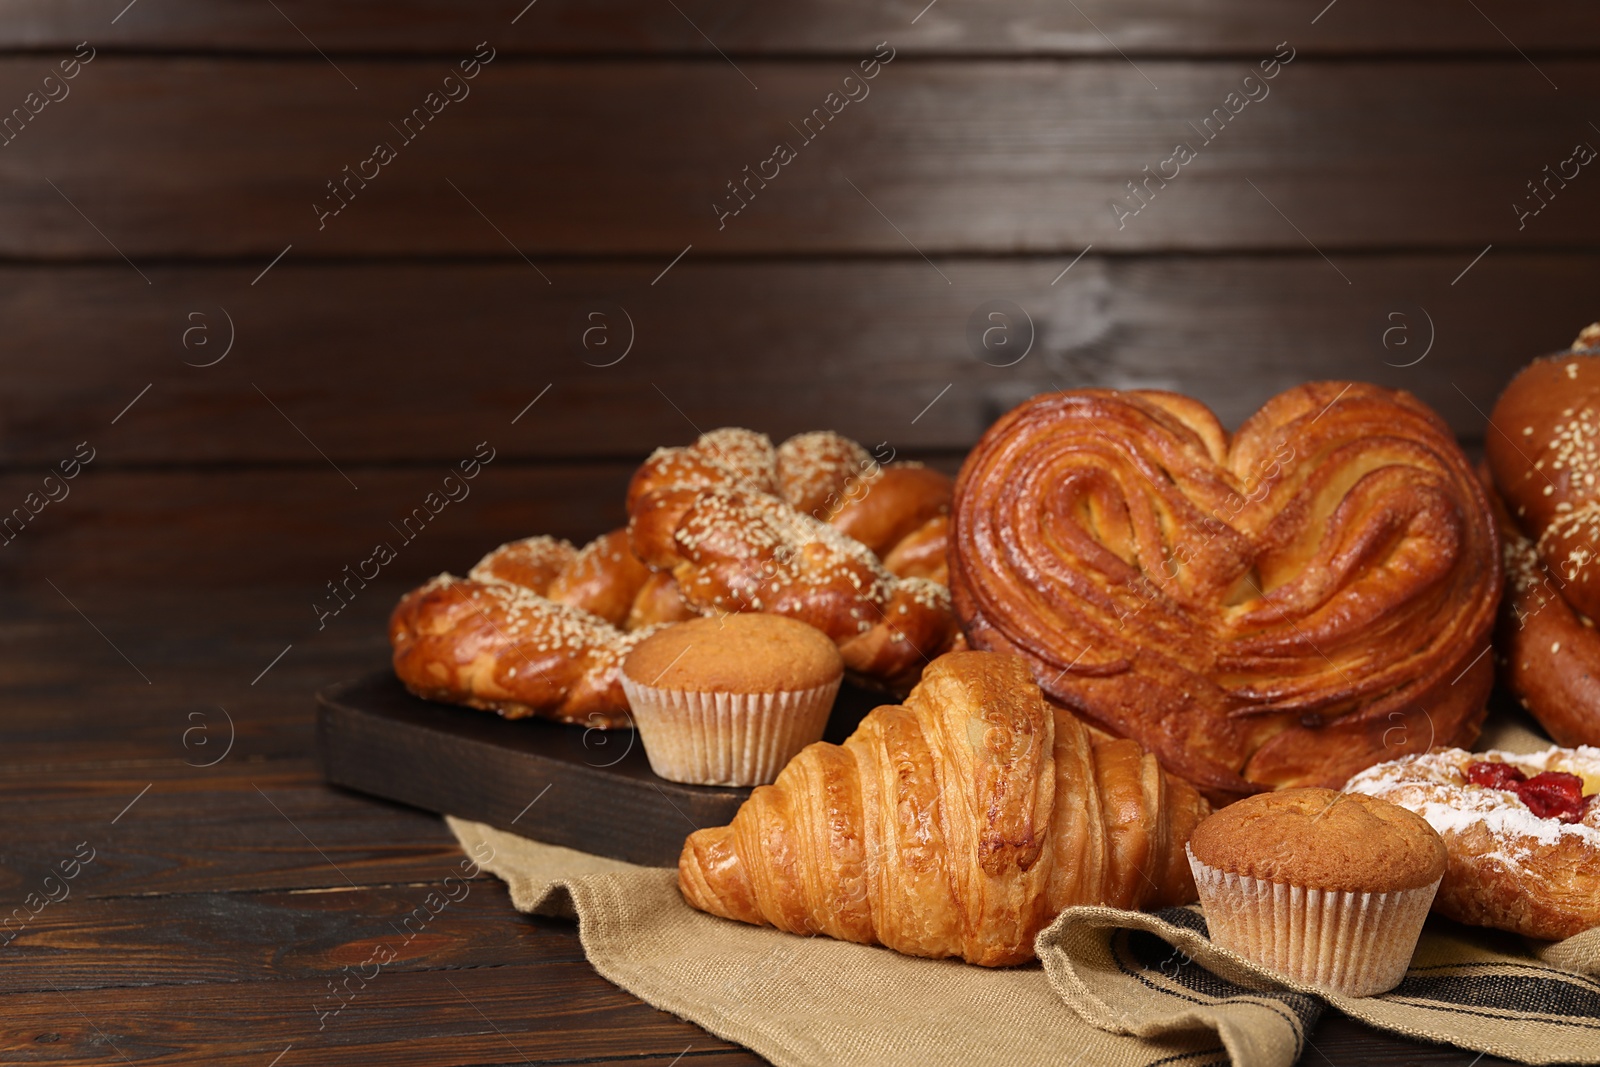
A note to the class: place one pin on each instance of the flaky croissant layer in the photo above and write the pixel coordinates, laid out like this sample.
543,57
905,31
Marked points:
957,824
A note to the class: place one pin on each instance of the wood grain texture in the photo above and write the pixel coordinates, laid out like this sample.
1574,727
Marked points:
297,529
518,1013
420,362
201,157
73,703
383,347
243,937
234,827
1350,1041
1003,27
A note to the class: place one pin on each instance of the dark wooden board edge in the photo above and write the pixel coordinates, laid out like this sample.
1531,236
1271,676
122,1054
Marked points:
530,777
586,789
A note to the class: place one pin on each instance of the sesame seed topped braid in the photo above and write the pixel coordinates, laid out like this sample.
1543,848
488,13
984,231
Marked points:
899,511
540,628
735,540
537,628
1543,454
505,648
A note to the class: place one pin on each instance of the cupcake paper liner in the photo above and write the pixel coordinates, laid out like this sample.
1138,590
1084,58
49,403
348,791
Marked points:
726,738
1352,943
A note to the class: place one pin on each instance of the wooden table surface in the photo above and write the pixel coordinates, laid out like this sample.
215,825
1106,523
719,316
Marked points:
224,902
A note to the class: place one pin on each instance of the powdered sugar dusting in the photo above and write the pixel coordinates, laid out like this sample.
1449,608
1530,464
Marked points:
1435,786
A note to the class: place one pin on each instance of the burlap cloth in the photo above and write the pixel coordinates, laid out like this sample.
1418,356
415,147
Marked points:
1115,987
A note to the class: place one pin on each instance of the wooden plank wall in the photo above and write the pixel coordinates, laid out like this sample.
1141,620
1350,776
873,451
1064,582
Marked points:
268,373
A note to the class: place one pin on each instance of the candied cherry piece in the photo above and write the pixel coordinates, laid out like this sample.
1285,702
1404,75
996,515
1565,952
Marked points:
1494,775
1554,795
1549,794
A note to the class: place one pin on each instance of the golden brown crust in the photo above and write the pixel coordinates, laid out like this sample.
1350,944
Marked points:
504,648
886,629
895,503
1322,839
604,579
814,471
1543,455
658,601
533,630
533,562
1549,655
1508,868
824,475
921,553
736,654
958,824
733,550
729,456
1282,608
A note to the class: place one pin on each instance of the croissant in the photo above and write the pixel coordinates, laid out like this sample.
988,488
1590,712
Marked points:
958,824
1285,607
1544,464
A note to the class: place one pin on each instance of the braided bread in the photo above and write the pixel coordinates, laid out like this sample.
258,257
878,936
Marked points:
900,511
604,578
1543,455
711,516
537,628
505,648
1282,608
540,628
736,550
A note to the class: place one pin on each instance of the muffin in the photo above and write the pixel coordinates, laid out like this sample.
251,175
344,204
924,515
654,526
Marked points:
730,700
1326,888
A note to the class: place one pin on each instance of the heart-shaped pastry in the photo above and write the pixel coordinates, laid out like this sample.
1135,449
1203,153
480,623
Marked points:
1285,607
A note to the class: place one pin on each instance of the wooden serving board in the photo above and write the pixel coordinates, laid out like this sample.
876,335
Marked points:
583,788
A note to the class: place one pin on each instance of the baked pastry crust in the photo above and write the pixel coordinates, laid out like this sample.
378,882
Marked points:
1282,607
715,516
958,824
537,628
540,627
1545,465
505,648
899,511
1507,867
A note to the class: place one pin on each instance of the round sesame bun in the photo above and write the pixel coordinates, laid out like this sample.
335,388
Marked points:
1326,889
1322,839
729,700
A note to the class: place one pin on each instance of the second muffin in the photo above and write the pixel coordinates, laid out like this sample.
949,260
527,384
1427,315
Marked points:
730,700
1327,888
